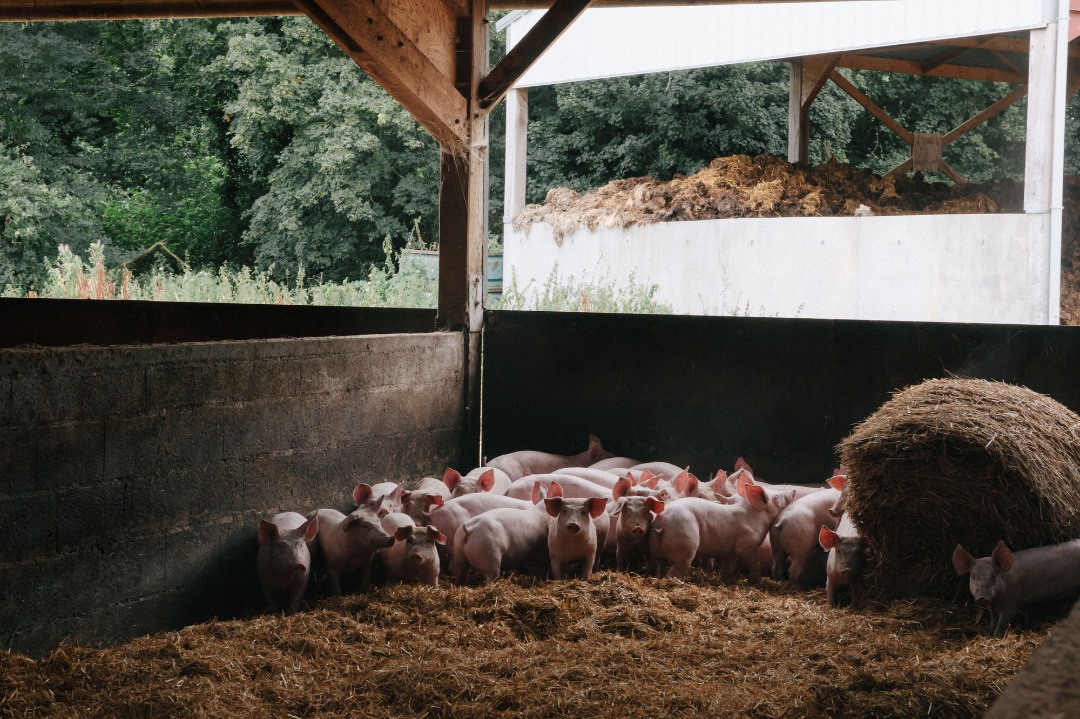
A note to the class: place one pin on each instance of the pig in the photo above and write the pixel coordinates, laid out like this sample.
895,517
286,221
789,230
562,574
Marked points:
604,478
372,497
663,470
572,537
1006,580
616,463
349,542
571,486
418,502
392,521
413,558
448,516
283,563
847,557
699,528
839,482
794,538
519,464
717,489
634,515
481,479
503,539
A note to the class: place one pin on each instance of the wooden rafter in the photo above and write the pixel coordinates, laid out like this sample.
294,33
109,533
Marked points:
911,67
51,10
392,60
545,4
1004,60
858,96
526,52
945,57
986,114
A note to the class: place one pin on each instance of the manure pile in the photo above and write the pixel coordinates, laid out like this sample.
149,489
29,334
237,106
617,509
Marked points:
619,646
963,461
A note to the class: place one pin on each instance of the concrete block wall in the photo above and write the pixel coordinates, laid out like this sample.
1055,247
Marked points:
132,478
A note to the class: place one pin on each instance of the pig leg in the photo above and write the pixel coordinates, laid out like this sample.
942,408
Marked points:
556,570
622,557
1004,619
830,593
728,568
587,566
795,570
272,601
780,569
296,597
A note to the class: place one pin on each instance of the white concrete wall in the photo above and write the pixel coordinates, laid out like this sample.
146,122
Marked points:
947,268
608,42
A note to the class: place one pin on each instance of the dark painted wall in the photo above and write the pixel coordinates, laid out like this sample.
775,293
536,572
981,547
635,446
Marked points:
132,478
57,323
701,391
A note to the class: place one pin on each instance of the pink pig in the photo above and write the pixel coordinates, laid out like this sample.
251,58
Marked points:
284,560
699,528
519,464
481,479
503,539
413,558
572,537
794,538
634,515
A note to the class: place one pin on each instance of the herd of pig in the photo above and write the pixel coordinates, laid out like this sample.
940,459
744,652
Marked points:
565,515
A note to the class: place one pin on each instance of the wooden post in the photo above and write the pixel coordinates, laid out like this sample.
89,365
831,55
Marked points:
517,139
808,76
1045,140
463,206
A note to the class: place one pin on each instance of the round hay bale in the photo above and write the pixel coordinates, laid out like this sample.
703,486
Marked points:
959,460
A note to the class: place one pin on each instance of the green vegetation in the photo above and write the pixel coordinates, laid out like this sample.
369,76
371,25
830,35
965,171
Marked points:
257,144
412,285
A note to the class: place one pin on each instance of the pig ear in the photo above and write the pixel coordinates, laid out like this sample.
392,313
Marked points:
361,494
451,478
740,463
553,505
435,500
349,523
621,488
268,533
651,482
309,529
596,450
396,495
681,481
403,533
961,560
597,505
721,476
405,495
837,481
745,480
617,508
538,492
827,538
435,534
1003,557
554,490
655,505
755,495
487,480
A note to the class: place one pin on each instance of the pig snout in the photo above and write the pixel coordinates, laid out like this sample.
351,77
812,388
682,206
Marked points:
637,530
573,527
299,568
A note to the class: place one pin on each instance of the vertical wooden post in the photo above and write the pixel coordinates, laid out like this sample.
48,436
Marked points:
1045,140
808,76
463,208
517,139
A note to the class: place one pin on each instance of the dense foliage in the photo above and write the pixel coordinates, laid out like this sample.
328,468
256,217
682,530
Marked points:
257,143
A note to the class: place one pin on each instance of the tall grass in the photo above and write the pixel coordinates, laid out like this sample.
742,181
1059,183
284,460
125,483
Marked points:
412,285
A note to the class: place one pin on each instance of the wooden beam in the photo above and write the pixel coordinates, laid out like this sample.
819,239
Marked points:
858,96
808,76
900,169
57,10
529,49
985,115
911,67
393,61
953,174
944,57
1007,62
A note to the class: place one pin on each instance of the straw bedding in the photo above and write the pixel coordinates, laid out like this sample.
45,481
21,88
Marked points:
960,460
618,646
